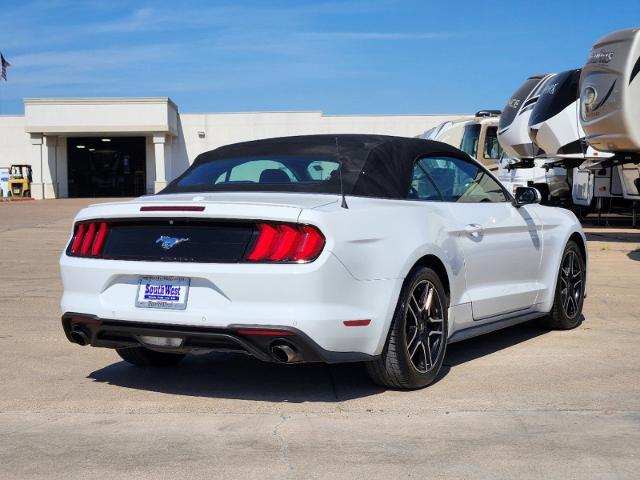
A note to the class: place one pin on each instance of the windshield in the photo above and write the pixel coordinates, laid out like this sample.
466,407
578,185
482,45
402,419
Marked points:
469,143
492,148
517,99
558,93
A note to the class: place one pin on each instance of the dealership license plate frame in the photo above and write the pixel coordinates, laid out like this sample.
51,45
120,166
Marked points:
183,297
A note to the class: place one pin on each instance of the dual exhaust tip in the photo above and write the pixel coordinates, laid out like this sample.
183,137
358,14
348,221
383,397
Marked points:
78,336
280,351
285,353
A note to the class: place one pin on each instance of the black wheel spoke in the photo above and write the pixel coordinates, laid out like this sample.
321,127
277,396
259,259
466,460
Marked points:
423,326
414,336
415,349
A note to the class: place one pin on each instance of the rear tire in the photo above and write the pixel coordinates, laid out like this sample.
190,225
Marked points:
417,340
566,312
143,357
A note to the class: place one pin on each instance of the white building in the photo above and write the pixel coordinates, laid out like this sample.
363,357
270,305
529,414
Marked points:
85,147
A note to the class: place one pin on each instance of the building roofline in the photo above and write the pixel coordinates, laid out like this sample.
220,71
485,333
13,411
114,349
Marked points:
98,100
319,112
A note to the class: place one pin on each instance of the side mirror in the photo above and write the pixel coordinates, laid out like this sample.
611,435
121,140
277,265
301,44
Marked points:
527,196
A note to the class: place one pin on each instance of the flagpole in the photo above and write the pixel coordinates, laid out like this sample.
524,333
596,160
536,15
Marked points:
3,75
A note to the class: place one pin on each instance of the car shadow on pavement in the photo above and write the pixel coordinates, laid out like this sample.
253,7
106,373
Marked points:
237,376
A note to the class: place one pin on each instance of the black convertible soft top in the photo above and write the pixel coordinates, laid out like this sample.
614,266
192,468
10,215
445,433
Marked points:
372,165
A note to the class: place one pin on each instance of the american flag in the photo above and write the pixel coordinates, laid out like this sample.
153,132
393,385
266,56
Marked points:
5,64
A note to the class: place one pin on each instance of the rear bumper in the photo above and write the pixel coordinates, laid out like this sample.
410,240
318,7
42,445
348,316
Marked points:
315,298
246,339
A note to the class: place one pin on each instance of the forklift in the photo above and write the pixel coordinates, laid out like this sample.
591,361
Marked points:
20,181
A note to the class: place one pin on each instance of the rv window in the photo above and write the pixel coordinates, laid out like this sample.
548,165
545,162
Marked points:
469,143
492,148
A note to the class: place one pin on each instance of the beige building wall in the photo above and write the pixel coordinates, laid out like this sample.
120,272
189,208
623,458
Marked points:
173,140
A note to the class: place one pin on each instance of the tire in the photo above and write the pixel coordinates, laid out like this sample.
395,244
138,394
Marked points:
419,326
143,357
568,300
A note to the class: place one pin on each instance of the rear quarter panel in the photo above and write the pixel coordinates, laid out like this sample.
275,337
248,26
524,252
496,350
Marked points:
383,239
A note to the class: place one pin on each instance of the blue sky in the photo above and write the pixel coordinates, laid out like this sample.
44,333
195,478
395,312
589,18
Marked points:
340,57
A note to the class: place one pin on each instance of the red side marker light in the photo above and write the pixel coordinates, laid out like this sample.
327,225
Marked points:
356,323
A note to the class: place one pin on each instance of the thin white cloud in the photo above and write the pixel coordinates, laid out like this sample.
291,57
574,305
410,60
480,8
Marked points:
381,35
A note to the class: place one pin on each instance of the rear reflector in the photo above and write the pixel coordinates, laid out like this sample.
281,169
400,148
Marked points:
266,333
356,323
173,208
280,242
77,319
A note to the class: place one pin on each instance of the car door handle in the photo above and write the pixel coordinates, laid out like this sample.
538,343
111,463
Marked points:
473,229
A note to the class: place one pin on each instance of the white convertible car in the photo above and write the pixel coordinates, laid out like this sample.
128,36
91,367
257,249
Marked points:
321,248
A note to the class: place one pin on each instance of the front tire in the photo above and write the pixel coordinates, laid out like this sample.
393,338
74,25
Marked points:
143,357
569,296
417,340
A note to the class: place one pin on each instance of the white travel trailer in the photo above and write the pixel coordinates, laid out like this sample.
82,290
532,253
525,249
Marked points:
610,108
554,127
522,164
476,136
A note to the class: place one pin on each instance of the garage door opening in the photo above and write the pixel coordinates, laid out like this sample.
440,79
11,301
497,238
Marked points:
106,166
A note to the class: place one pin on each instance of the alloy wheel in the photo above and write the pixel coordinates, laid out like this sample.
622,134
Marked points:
571,284
424,326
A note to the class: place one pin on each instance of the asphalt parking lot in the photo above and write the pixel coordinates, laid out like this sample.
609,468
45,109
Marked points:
522,402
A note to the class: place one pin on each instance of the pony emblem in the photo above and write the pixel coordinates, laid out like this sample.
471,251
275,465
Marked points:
169,242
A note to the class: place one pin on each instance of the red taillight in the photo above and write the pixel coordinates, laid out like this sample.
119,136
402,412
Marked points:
263,247
99,241
311,244
89,239
286,243
77,239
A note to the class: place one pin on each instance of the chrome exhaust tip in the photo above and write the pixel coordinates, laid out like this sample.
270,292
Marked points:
79,337
284,353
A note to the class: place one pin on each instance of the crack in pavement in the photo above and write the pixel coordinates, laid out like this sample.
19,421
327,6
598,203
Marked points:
284,445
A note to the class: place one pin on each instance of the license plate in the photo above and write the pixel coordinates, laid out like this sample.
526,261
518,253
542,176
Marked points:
169,293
